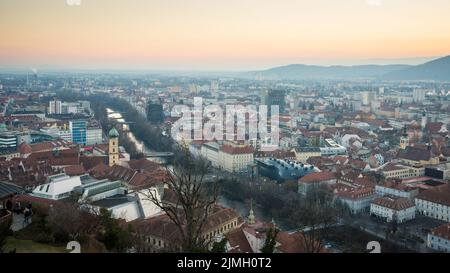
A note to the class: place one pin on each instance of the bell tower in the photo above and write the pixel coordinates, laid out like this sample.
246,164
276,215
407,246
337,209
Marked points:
113,146
251,215
404,139
423,122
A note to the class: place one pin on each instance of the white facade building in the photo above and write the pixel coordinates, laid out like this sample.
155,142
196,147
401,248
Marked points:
54,107
332,148
235,158
210,151
345,140
393,208
439,238
94,136
400,171
59,107
59,186
435,203
398,189
356,200
58,132
111,195
419,95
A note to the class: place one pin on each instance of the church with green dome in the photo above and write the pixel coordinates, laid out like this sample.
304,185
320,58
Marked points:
113,146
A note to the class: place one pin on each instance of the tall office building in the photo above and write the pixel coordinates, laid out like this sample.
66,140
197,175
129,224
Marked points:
275,97
59,107
54,107
8,140
367,97
155,113
94,135
214,86
78,130
419,95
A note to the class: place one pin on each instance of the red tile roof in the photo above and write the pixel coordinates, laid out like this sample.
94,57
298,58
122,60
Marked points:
48,145
293,242
143,164
236,149
415,154
24,148
392,167
354,194
57,158
238,242
433,127
317,177
442,231
90,162
75,170
439,195
394,202
99,171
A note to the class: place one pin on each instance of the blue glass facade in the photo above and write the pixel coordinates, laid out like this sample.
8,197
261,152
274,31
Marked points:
78,129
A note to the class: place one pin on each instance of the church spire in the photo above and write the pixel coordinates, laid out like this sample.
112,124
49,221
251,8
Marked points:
423,122
404,140
274,223
251,215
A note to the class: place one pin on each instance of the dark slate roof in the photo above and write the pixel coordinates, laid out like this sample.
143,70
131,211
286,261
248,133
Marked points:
113,201
7,189
415,154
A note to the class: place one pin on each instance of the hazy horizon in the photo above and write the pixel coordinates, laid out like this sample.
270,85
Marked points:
403,61
213,35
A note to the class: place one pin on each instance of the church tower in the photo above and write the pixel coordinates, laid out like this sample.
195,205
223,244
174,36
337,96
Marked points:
113,147
251,215
404,139
423,123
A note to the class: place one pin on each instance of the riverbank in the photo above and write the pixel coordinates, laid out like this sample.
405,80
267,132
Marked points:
150,135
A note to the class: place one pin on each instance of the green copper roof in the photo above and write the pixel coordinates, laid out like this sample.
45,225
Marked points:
113,133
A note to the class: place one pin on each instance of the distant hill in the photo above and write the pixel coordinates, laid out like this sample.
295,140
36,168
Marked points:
304,72
438,70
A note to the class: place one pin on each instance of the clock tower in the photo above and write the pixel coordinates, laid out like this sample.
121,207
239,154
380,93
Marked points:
113,147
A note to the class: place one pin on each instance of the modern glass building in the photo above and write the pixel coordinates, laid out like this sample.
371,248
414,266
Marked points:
78,129
155,113
275,98
8,140
283,170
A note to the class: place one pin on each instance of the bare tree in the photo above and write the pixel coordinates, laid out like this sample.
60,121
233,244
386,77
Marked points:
195,199
69,219
317,213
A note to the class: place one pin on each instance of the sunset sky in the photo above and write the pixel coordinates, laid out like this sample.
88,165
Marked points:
220,34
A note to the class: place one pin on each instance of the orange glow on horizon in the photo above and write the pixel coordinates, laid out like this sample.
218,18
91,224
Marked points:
219,34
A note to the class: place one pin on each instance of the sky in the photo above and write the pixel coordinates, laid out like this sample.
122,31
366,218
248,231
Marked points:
220,34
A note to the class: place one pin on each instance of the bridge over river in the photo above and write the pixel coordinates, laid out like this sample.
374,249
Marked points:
158,157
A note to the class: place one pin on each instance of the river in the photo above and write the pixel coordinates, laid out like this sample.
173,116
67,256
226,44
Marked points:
240,207
140,146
